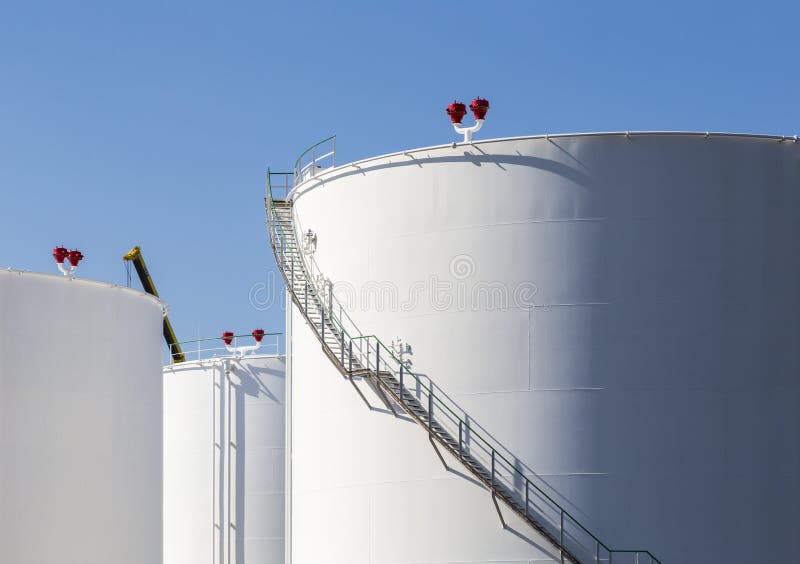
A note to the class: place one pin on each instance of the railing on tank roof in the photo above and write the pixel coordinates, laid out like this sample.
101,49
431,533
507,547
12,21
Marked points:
281,183
474,442
318,156
212,347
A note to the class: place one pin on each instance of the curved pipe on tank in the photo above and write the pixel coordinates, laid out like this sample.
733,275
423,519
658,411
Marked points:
67,270
468,131
239,352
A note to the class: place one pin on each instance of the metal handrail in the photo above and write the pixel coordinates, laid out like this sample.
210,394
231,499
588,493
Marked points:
301,169
200,351
440,403
310,265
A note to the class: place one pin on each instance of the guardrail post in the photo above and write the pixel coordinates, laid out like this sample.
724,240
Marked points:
561,537
492,467
351,355
402,389
377,359
322,317
460,438
292,276
342,347
527,496
430,405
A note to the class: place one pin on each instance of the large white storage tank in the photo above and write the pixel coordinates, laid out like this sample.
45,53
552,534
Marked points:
224,460
620,311
80,422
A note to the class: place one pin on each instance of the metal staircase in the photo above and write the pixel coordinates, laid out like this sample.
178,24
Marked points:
364,357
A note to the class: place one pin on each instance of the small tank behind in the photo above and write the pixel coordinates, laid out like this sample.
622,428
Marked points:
224,452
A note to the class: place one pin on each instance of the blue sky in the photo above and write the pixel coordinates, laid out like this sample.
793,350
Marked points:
153,123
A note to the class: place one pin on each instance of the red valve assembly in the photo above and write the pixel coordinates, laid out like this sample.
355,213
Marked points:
60,253
456,111
227,337
74,257
258,334
479,107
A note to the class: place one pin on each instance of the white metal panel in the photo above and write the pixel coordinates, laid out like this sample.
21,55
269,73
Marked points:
190,461
80,422
369,488
224,429
652,380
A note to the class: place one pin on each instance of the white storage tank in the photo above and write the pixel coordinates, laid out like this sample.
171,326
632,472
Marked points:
224,449
80,422
620,312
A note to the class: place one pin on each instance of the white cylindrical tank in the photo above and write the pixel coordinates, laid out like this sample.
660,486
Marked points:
80,422
224,447
620,312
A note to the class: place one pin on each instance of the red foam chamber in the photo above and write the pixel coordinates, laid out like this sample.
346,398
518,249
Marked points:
74,257
479,107
60,253
456,111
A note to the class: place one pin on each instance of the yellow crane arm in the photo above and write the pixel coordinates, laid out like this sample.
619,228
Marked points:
135,256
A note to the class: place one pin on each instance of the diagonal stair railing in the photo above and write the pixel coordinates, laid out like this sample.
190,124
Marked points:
358,355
